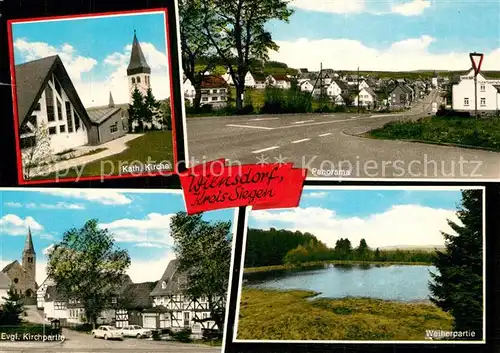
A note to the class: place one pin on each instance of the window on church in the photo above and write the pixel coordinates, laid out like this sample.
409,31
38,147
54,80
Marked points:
68,116
59,111
138,79
77,121
16,280
133,79
52,130
49,101
62,128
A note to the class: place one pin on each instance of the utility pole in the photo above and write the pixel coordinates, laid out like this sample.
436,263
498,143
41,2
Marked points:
358,90
321,83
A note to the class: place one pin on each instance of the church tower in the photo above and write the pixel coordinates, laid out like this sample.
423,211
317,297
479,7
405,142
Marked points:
138,70
29,263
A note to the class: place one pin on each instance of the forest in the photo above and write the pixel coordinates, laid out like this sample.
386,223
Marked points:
271,247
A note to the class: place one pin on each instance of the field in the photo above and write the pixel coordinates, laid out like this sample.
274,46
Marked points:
464,131
292,315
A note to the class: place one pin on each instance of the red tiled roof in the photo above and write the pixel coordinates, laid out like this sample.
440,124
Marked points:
281,78
213,81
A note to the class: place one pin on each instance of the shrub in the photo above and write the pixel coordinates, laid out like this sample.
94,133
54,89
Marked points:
183,335
211,334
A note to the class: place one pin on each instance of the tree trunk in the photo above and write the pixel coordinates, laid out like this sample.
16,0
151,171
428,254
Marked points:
197,96
240,89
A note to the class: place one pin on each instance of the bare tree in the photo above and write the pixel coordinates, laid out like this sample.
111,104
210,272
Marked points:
37,154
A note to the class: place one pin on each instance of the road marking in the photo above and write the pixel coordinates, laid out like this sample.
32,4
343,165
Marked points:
328,133
298,141
259,119
266,149
251,126
302,122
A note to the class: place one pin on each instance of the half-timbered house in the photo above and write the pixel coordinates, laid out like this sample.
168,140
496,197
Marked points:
174,310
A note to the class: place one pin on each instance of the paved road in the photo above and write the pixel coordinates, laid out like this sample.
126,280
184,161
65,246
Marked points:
329,146
81,342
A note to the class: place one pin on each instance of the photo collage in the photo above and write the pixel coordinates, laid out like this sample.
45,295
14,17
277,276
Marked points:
249,176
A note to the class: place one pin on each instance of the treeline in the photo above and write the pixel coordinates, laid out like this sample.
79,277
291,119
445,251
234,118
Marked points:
280,247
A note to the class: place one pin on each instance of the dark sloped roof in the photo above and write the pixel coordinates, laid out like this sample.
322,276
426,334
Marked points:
138,63
4,281
341,84
137,295
31,80
171,278
100,115
9,266
280,77
213,81
28,244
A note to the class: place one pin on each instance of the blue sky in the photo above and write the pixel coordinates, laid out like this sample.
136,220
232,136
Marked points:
96,51
346,33
457,26
385,218
140,222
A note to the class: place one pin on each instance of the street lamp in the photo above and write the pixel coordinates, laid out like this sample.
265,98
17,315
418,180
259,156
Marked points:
476,60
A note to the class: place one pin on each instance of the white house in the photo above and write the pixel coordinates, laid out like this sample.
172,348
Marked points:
173,310
249,80
488,96
336,88
5,284
42,291
366,98
434,82
279,81
214,91
306,86
189,90
228,78
363,84
260,81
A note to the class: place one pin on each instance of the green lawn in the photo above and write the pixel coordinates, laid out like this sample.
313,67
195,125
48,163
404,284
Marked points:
467,131
153,147
289,315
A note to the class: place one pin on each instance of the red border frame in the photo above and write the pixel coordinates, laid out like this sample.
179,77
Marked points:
20,176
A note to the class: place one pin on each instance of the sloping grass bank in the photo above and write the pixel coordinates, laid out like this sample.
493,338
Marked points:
292,315
466,131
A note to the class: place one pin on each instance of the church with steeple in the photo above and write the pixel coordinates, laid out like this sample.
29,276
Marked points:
23,275
138,70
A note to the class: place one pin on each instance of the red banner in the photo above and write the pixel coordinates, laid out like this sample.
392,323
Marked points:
213,186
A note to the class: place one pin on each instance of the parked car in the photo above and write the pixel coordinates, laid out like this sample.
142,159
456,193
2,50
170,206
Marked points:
107,332
135,331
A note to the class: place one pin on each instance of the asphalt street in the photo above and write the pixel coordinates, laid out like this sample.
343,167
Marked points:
329,145
81,342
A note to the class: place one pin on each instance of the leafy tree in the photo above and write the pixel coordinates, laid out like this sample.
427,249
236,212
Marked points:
376,256
204,252
36,151
12,309
236,29
136,112
362,250
166,115
458,286
297,255
152,114
87,266
197,50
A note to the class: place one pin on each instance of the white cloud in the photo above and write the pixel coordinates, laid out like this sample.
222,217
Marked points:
154,229
315,195
13,204
149,245
95,91
348,54
56,206
331,6
102,196
401,225
412,8
12,224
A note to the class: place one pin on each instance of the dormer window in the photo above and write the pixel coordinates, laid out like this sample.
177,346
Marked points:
163,285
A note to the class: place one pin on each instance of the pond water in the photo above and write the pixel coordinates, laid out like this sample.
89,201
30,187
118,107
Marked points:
395,282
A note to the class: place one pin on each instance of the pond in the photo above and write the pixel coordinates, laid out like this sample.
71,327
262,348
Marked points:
394,282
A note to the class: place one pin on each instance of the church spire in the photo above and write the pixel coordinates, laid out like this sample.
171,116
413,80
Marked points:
138,62
28,244
111,103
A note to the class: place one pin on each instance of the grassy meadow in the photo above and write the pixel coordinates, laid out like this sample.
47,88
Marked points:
295,315
466,131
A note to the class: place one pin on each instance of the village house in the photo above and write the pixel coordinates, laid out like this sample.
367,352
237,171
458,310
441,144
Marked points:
400,96
278,81
42,291
22,275
325,77
305,86
172,309
336,88
249,80
488,96
214,91
189,90
366,98
260,80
